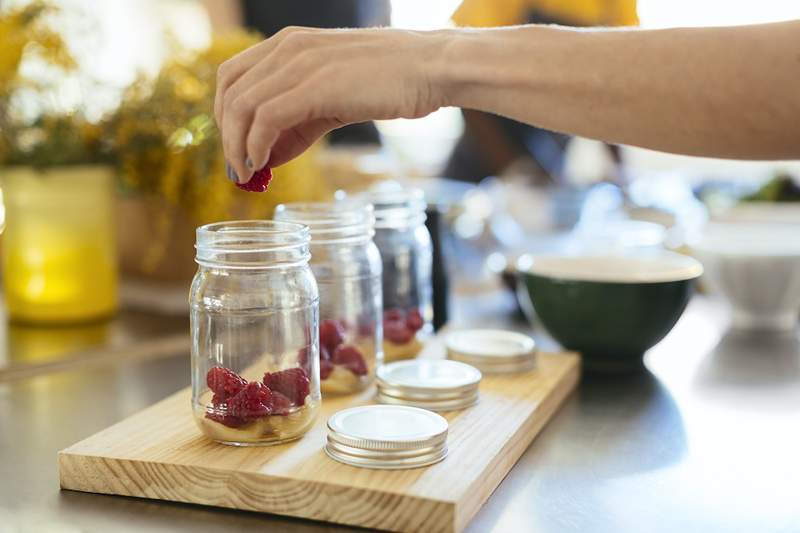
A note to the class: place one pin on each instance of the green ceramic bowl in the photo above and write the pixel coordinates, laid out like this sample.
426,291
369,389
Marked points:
612,309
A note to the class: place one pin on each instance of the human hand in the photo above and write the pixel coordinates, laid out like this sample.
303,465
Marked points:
278,97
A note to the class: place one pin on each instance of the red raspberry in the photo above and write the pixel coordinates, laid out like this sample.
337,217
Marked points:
259,182
414,320
224,383
397,332
252,402
325,369
218,401
331,334
365,326
281,405
350,357
219,414
394,314
292,383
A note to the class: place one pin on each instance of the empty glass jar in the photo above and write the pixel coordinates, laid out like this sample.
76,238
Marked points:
347,267
254,325
407,255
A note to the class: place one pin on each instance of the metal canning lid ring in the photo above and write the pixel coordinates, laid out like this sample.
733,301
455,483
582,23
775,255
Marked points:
387,428
433,405
425,395
490,346
390,464
488,367
387,437
429,376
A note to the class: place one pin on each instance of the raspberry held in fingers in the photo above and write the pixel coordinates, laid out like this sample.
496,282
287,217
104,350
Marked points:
259,182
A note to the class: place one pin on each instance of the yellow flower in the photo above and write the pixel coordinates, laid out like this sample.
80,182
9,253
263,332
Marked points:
166,138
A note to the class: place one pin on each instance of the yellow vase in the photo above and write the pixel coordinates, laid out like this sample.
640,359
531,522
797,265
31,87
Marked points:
59,254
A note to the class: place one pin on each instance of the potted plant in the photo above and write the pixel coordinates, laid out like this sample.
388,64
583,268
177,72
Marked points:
173,169
59,255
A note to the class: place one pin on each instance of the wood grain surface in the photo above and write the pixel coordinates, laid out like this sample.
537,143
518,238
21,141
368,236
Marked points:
159,453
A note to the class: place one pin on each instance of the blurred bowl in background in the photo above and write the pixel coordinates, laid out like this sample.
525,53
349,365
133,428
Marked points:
611,308
761,212
756,267
616,236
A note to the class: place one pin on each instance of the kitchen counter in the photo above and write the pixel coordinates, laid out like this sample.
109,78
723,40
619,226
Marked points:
706,440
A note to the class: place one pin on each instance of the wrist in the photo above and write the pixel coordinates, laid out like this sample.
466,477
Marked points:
452,70
479,68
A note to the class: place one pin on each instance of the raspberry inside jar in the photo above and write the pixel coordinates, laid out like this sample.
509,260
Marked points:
254,320
347,267
277,406
343,365
400,328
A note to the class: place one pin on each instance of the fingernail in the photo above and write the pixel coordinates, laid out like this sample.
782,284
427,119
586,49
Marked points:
249,163
231,173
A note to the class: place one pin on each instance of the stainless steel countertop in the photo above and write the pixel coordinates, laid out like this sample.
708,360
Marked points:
707,440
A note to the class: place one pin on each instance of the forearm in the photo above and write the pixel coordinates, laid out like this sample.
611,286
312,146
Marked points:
224,15
723,92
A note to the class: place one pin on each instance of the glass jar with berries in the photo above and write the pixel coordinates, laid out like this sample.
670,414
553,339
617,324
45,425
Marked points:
254,325
407,256
347,266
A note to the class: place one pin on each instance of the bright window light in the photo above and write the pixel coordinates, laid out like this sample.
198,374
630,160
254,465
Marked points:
670,13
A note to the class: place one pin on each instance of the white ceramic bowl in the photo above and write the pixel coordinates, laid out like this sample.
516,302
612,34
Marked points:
756,267
762,212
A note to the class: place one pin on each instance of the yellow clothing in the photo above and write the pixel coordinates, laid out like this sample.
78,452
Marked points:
572,12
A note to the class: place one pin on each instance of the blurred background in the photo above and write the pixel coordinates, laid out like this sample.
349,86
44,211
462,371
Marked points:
109,156
110,159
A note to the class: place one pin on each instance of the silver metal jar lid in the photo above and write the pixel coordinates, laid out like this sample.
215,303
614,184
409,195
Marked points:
449,404
435,384
387,436
492,351
429,377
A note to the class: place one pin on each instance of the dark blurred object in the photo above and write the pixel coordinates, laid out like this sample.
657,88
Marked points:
441,286
269,17
781,188
444,201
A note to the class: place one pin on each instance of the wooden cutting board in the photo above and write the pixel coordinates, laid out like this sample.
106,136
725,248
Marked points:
159,453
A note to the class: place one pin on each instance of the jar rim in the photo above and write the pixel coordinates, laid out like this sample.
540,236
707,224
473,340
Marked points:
339,222
397,208
248,244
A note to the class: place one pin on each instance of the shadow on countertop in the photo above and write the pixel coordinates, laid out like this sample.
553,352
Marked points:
753,370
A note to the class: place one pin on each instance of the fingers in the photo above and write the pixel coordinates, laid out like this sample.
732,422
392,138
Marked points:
281,64
228,72
240,113
292,142
235,123
231,70
272,118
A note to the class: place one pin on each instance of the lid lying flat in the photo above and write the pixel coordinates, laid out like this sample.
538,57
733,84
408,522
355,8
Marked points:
448,404
492,351
435,384
387,436
432,376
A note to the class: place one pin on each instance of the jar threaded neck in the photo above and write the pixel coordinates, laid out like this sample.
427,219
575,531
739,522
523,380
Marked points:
339,222
397,208
252,244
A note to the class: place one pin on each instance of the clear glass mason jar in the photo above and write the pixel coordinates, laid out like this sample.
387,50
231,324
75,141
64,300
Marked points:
347,267
254,323
407,255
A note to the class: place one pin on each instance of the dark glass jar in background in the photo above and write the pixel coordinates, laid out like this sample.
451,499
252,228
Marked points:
407,255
